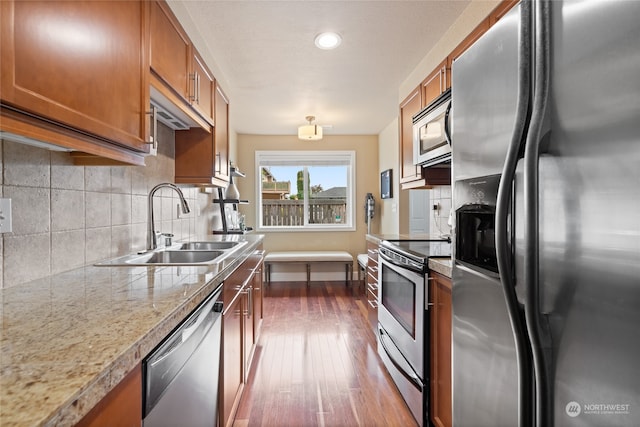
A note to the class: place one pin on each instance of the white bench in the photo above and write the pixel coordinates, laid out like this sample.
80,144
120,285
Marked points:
308,258
363,259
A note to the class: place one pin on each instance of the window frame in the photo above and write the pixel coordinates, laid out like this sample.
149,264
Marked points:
304,159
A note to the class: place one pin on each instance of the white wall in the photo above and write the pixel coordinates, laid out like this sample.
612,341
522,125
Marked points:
389,158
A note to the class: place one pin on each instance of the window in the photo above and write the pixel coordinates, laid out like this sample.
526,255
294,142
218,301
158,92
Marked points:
305,190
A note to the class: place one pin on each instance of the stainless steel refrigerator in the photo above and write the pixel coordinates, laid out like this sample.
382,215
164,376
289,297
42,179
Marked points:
546,192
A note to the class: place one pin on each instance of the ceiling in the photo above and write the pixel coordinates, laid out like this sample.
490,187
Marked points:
275,76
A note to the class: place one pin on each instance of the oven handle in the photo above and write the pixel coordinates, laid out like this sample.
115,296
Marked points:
402,365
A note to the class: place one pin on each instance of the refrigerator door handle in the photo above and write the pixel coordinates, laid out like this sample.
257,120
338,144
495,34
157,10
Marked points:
537,327
502,231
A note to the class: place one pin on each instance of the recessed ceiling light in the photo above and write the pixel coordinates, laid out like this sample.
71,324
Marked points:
328,40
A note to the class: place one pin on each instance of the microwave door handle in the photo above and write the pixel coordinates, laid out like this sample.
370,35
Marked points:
447,131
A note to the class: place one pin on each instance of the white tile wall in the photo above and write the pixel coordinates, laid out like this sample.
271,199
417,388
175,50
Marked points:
438,220
66,216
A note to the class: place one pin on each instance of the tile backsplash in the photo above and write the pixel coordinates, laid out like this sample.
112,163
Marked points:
438,220
66,216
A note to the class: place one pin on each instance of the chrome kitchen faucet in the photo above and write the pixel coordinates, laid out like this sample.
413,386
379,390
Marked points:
152,242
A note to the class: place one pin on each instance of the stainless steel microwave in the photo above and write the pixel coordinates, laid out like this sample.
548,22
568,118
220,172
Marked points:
431,134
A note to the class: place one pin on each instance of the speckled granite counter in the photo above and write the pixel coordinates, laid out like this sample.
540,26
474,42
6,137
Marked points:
441,265
67,340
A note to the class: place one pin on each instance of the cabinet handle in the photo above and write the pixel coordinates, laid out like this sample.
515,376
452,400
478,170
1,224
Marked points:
192,96
249,302
219,169
153,140
197,88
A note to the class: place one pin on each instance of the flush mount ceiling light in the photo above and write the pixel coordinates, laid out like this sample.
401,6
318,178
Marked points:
310,132
328,40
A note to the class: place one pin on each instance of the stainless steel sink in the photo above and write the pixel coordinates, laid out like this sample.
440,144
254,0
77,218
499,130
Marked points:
166,257
208,246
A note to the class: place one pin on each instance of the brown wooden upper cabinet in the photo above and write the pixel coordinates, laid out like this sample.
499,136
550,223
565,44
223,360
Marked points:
177,69
202,154
436,83
73,75
203,86
410,174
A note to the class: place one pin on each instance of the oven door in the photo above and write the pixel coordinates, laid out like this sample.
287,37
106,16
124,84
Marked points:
401,310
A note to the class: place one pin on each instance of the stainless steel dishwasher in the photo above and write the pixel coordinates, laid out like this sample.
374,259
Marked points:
181,374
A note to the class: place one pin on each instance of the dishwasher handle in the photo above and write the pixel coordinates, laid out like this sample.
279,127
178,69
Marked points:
184,332
168,359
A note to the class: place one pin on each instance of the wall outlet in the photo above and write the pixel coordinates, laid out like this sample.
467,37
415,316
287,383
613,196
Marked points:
6,225
436,207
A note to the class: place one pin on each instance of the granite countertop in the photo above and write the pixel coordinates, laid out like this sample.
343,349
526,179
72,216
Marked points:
441,265
67,340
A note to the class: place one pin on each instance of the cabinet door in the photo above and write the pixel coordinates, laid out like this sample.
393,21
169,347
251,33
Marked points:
441,412
258,296
247,332
202,88
80,65
122,406
170,50
231,367
411,105
435,83
202,154
221,132
195,156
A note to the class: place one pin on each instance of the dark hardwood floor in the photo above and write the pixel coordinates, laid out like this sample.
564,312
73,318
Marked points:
316,363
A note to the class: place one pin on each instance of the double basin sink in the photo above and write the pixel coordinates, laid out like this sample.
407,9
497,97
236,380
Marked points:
191,253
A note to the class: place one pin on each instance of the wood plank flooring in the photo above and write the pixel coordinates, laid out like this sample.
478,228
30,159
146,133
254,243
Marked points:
316,363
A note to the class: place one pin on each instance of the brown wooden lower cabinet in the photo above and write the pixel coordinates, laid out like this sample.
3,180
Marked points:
241,322
122,406
231,366
440,291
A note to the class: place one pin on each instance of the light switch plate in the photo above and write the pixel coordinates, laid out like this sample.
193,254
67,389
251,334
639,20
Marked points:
6,225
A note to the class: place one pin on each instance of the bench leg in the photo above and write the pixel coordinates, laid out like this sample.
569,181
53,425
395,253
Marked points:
268,274
308,274
346,282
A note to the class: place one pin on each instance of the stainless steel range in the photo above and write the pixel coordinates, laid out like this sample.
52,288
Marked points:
403,321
